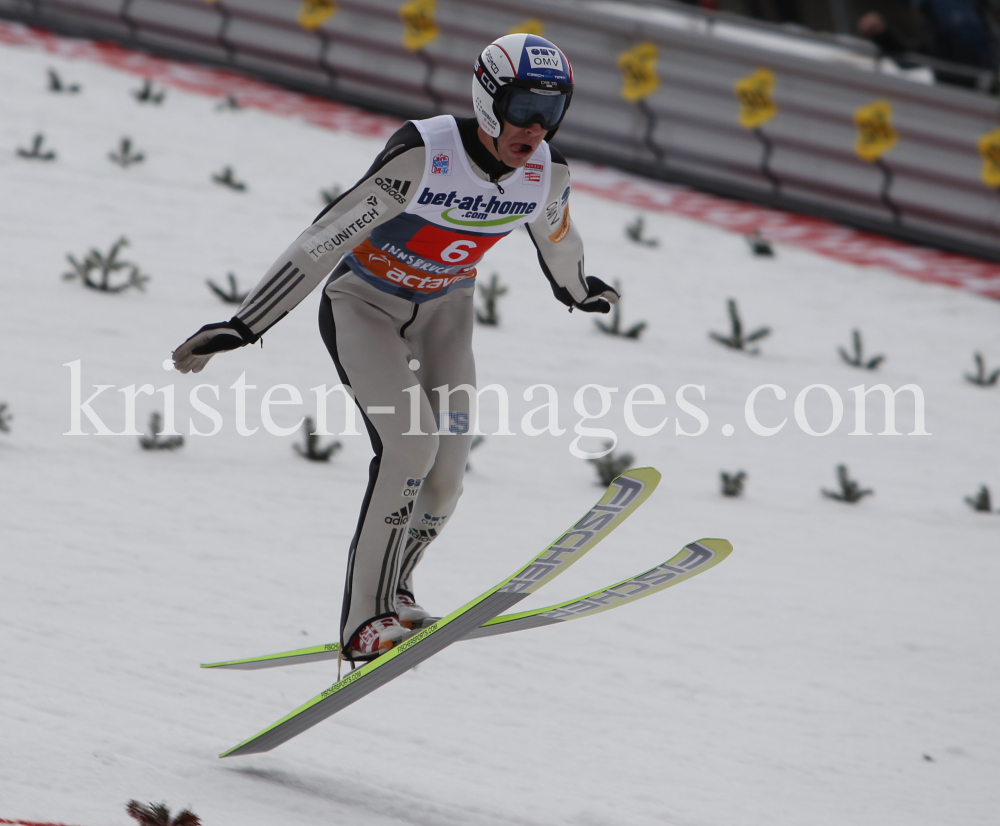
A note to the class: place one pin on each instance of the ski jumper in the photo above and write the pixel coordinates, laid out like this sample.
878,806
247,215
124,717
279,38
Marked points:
397,316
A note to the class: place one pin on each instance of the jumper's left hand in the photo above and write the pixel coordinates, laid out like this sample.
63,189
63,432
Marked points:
194,354
599,298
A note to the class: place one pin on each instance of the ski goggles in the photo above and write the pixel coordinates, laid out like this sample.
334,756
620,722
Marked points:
522,107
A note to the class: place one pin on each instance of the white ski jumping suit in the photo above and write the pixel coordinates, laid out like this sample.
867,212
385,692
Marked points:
397,318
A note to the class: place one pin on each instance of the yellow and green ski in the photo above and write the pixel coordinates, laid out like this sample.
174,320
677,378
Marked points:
481,616
693,559
622,497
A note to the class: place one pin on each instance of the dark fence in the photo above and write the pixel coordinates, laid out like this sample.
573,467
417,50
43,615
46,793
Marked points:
798,125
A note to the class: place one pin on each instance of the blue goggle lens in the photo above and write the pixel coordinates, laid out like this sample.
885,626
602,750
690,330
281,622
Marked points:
523,107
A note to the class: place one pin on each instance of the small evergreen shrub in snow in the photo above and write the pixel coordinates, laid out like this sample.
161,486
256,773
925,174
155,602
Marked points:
97,270
5,418
154,441
226,178
56,84
490,293
146,94
980,376
234,296
857,359
759,245
850,491
634,231
125,157
312,450
330,195
610,467
614,328
736,340
732,485
157,814
36,153
981,501
230,104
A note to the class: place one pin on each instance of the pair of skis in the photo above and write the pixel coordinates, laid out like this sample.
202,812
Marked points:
482,617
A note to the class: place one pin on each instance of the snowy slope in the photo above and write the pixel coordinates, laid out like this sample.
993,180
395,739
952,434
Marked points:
803,681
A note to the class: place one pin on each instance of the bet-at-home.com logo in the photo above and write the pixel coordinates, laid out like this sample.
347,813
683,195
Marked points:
476,212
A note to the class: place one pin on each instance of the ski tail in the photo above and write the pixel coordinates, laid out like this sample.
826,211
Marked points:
622,497
312,654
695,558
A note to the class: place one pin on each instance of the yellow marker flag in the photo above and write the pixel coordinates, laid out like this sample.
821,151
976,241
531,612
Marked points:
419,26
876,134
989,148
755,93
530,26
638,65
314,13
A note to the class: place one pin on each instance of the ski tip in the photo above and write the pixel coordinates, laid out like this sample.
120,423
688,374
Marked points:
721,547
648,476
642,471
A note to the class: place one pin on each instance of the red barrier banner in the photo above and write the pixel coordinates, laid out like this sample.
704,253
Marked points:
29,823
780,227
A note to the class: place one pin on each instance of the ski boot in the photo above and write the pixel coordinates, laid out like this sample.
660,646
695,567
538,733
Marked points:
411,615
376,637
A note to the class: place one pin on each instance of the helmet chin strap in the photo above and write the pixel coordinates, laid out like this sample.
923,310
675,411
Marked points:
496,148
496,145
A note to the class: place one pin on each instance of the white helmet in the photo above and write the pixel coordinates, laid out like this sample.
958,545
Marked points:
521,79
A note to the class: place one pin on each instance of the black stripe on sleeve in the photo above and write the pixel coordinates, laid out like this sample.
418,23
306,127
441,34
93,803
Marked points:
260,295
254,312
281,296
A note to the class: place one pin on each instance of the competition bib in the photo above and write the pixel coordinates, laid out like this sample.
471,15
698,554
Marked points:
454,218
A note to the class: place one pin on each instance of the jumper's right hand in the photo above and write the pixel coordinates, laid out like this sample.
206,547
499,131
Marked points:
195,353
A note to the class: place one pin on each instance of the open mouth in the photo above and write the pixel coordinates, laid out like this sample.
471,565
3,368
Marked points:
521,148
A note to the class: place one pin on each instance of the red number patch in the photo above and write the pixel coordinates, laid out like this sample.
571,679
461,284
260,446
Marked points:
451,248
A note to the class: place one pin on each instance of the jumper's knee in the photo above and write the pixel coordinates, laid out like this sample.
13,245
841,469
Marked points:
414,454
440,493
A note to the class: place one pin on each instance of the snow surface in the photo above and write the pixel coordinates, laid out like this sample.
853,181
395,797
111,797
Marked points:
840,668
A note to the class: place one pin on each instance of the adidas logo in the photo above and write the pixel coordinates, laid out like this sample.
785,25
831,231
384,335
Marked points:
400,517
395,189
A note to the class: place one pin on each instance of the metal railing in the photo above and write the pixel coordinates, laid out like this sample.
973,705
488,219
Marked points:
980,79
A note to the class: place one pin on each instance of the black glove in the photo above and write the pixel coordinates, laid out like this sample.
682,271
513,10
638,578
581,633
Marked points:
195,353
599,298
